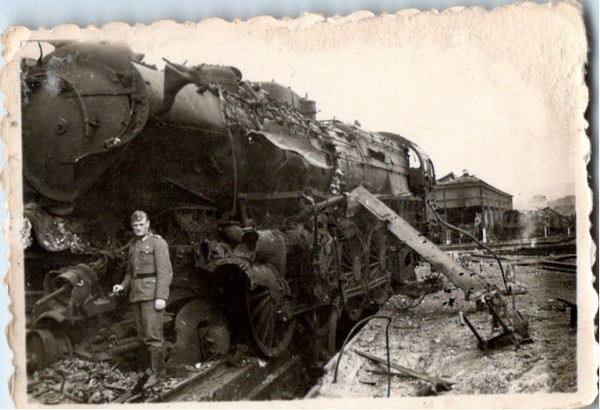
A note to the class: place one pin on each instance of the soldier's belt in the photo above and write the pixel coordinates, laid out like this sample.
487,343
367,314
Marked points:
144,275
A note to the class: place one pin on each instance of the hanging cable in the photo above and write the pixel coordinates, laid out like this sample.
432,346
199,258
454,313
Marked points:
387,347
420,298
455,228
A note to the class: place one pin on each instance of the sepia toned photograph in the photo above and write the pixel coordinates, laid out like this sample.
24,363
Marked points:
314,211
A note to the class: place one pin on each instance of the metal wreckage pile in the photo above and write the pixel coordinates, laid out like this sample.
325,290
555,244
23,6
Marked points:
74,380
79,381
301,221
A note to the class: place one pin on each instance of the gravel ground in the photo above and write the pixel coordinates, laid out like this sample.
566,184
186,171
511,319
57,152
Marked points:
429,338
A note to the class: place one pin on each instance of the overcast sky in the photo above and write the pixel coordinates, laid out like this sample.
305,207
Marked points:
500,94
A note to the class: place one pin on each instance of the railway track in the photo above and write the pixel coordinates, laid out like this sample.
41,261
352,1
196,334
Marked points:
524,248
558,266
540,250
252,379
556,263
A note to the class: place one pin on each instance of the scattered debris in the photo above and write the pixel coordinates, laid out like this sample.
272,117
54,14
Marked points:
573,312
365,380
548,365
78,381
430,390
73,380
446,384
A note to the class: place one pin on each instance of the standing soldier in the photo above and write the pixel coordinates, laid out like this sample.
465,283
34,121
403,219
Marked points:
148,278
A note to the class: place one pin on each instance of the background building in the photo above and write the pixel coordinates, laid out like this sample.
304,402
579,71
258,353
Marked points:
471,204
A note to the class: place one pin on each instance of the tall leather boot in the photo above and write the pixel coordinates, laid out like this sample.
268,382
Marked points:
157,367
157,362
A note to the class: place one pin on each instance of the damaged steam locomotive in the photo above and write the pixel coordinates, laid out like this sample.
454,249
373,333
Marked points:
257,200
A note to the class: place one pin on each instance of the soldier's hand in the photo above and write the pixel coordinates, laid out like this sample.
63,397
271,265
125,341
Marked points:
117,289
159,304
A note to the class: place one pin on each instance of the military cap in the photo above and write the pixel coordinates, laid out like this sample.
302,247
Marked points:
139,216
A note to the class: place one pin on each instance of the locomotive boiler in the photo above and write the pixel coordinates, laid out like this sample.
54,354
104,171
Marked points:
239,177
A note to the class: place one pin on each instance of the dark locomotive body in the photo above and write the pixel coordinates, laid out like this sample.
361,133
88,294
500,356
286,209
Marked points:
239,178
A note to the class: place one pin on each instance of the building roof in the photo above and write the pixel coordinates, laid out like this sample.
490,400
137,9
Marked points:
564,206
446,178
466,179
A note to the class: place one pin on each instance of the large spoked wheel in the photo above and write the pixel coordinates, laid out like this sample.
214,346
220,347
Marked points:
377,274
353,292
270,324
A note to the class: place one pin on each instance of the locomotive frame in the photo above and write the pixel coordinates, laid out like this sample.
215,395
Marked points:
246,234
260,204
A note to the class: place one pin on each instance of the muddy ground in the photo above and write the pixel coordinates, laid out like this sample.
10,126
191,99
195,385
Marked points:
430,339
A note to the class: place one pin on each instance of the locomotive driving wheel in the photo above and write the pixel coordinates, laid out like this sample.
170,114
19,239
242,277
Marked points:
270,323
353,292
377,274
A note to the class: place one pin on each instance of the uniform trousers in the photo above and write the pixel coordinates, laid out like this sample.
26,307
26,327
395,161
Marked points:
149,324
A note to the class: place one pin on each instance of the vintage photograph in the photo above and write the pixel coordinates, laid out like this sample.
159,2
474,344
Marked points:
321,208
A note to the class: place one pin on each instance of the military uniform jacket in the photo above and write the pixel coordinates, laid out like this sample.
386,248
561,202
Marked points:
149,271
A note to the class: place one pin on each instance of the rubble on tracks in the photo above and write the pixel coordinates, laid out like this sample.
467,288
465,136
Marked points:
77,381
73,380
430,339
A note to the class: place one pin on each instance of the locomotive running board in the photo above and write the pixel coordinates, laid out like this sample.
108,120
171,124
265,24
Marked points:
473,285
